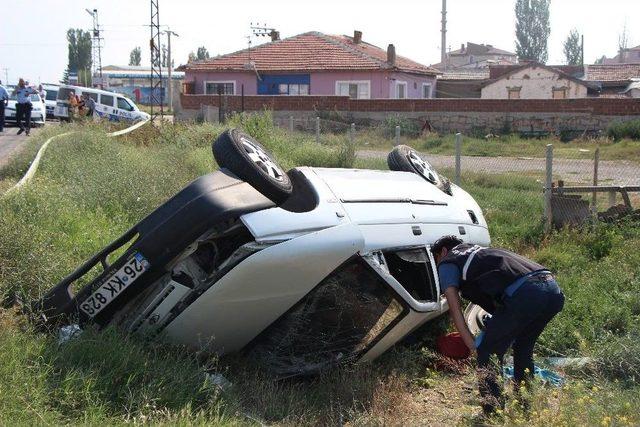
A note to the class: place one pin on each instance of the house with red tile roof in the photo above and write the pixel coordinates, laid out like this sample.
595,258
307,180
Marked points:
313,63
476,56
613,79
533,80
626,56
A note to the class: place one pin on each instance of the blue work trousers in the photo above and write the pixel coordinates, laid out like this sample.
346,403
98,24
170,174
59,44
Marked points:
518,322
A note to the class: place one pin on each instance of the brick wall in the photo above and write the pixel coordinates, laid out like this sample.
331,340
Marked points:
445,115
598,106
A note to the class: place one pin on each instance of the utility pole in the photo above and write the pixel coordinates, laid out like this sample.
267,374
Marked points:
156,95
582,51
6,76
169,68
96,42
443,43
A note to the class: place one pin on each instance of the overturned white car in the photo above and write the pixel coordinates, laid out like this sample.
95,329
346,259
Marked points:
304,269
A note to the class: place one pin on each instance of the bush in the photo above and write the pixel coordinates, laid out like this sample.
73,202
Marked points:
408,127
621,130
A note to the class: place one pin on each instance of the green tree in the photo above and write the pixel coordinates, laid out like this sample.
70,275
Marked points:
573,48
202,53
532,29
135,57
192,57
79,55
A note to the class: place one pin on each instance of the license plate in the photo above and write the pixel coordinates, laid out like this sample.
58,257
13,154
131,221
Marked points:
114,285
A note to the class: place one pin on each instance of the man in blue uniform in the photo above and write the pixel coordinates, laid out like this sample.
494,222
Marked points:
521,295
23,106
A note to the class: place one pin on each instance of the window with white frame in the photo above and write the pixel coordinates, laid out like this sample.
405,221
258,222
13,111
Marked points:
354,89
220,87
401,90
293,89
426,90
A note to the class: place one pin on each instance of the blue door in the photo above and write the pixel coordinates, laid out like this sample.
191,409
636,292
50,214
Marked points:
284,84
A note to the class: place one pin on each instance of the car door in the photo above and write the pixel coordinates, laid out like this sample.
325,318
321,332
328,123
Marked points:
412,275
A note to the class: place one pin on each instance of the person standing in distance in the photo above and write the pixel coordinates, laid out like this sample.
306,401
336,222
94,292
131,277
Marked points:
23,106
4,100
521,295
42,92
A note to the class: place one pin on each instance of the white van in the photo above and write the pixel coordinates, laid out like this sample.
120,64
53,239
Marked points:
109,105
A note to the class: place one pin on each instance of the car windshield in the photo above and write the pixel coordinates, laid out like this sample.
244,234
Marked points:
51,94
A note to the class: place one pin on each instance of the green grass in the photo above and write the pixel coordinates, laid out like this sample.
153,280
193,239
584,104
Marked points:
91,188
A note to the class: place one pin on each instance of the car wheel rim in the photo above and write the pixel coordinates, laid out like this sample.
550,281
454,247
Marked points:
476,318
422,167
262,160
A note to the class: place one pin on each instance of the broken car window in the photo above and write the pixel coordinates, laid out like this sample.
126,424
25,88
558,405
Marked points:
346,314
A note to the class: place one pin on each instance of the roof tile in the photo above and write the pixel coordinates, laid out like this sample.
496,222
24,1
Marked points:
311,51
612,73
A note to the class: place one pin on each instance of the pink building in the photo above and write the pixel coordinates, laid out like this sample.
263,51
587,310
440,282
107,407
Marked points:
313,64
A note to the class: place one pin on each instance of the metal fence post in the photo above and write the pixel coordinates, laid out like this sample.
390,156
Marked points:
290,123
352,134
547,188
594,196
397,142
612,199
458,158
318,130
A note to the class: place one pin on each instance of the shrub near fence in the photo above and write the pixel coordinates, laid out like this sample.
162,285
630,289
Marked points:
620,130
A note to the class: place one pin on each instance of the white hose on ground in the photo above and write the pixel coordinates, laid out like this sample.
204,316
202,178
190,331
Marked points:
28,176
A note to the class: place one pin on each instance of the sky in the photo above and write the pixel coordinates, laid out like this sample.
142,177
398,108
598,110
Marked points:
36,48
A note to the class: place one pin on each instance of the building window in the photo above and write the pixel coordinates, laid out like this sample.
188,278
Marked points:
426,90
293,89
559,93
223,87
401,90
354,89
513,93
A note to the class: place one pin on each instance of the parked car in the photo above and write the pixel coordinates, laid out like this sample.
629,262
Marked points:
304,269
38,112
50,99
108,105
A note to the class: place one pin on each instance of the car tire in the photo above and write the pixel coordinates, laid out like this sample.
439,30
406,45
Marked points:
476,318
250,161
406,159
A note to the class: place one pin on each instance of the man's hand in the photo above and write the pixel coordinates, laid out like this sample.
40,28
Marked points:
455,311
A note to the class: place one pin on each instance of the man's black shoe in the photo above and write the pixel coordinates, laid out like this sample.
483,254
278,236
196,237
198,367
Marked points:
20,131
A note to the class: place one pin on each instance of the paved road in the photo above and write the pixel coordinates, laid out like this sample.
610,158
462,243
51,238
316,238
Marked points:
612,172
10,143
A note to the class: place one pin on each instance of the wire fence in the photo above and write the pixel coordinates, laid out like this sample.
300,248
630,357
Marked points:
509,176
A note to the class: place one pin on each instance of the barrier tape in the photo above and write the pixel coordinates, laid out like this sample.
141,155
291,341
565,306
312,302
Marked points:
28,176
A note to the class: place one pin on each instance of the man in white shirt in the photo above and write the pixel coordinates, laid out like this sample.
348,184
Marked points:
42,93
23,106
